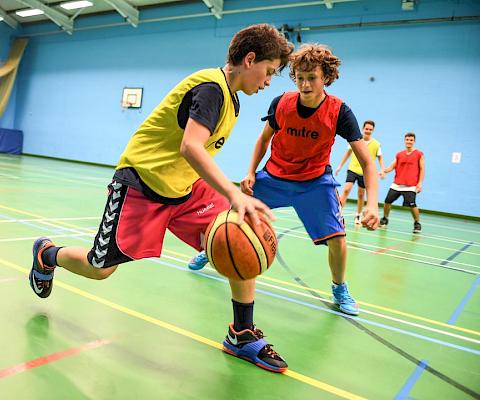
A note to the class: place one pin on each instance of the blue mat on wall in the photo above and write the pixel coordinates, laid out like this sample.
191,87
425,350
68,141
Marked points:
11,141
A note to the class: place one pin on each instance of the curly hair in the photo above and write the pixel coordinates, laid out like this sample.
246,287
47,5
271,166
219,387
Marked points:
311,55
264,40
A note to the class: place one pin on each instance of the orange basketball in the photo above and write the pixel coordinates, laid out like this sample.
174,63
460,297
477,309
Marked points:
243,251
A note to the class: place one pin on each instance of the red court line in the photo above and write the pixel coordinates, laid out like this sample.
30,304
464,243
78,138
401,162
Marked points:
415,238
38,362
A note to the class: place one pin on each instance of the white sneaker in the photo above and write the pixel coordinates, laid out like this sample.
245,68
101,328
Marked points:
357,219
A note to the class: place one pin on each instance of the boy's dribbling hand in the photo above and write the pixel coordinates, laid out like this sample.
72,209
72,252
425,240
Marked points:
244,204
370,218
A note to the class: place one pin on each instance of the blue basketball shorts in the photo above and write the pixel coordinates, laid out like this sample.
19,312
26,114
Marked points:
315,201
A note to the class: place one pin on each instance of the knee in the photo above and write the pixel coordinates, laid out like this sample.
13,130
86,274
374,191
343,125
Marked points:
103,273
336,243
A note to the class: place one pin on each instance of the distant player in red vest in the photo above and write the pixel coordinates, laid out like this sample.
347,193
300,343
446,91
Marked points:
409,166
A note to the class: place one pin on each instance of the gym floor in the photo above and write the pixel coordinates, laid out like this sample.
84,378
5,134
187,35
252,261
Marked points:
153,330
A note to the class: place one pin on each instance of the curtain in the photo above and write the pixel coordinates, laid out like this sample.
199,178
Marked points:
8,72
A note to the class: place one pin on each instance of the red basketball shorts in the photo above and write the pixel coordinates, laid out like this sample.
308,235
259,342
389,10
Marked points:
133,226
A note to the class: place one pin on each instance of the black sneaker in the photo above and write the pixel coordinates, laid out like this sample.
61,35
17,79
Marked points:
384,221
250,345
417,227
41,275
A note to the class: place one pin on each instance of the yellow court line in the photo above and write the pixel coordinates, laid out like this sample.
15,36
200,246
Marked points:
393,311
386,309
292,374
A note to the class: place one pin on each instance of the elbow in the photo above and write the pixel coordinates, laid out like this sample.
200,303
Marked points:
185,150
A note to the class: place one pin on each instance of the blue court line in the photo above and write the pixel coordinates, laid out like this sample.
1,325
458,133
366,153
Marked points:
57,230
464,301
405,390
445,262
326,309
310,305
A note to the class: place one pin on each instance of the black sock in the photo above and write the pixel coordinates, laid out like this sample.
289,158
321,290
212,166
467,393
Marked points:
49,256
242,316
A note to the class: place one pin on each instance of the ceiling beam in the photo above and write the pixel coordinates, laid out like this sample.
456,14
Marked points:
127,11
56,16
215,7
8,19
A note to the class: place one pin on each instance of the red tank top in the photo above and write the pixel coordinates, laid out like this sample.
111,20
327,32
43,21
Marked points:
301,147
407,170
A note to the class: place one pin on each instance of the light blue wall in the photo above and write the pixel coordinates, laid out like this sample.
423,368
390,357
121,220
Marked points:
426,81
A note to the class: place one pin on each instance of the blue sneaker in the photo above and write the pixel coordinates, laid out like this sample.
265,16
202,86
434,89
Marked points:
198,262
342,298
41,275
250,345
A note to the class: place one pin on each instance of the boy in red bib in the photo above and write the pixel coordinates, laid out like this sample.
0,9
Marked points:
409,166
301,127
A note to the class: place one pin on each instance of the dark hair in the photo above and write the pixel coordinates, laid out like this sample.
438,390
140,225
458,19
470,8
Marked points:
264,40
313,55
369,122
410,134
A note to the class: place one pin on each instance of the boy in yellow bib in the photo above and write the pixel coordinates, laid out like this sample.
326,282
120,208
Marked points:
166,179
355,172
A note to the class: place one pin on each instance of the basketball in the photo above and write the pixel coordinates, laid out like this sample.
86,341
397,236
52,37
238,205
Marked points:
240,252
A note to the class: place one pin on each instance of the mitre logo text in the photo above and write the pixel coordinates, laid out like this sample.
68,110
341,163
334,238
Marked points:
303,132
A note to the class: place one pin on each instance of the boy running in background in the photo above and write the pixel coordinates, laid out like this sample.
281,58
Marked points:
167,173
409,166
301,127
355,172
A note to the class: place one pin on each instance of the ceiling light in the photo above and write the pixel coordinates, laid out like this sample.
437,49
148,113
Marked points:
29,13
73,5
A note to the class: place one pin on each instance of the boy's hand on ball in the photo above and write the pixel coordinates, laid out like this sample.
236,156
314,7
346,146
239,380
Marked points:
245,204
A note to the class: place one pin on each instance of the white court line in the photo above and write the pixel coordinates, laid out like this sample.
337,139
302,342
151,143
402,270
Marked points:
399,320
46,219
67,169
50,237
349,243
392,250
57,177
362,231
442,238
393,255
311,296
426,223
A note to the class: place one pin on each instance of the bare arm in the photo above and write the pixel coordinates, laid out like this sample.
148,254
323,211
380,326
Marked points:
391,167
382,167
193,150
259,151
421,164
370,212
344,160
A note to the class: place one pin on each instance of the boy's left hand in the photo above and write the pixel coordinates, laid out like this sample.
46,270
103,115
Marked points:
370,218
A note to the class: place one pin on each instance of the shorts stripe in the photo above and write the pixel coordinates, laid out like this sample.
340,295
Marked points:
325,238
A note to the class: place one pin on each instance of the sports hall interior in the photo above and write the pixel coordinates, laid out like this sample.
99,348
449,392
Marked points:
154,329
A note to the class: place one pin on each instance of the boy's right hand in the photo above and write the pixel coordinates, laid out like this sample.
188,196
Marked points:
244,204
247,184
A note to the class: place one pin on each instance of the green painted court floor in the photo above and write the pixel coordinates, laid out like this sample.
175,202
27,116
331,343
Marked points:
153,330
